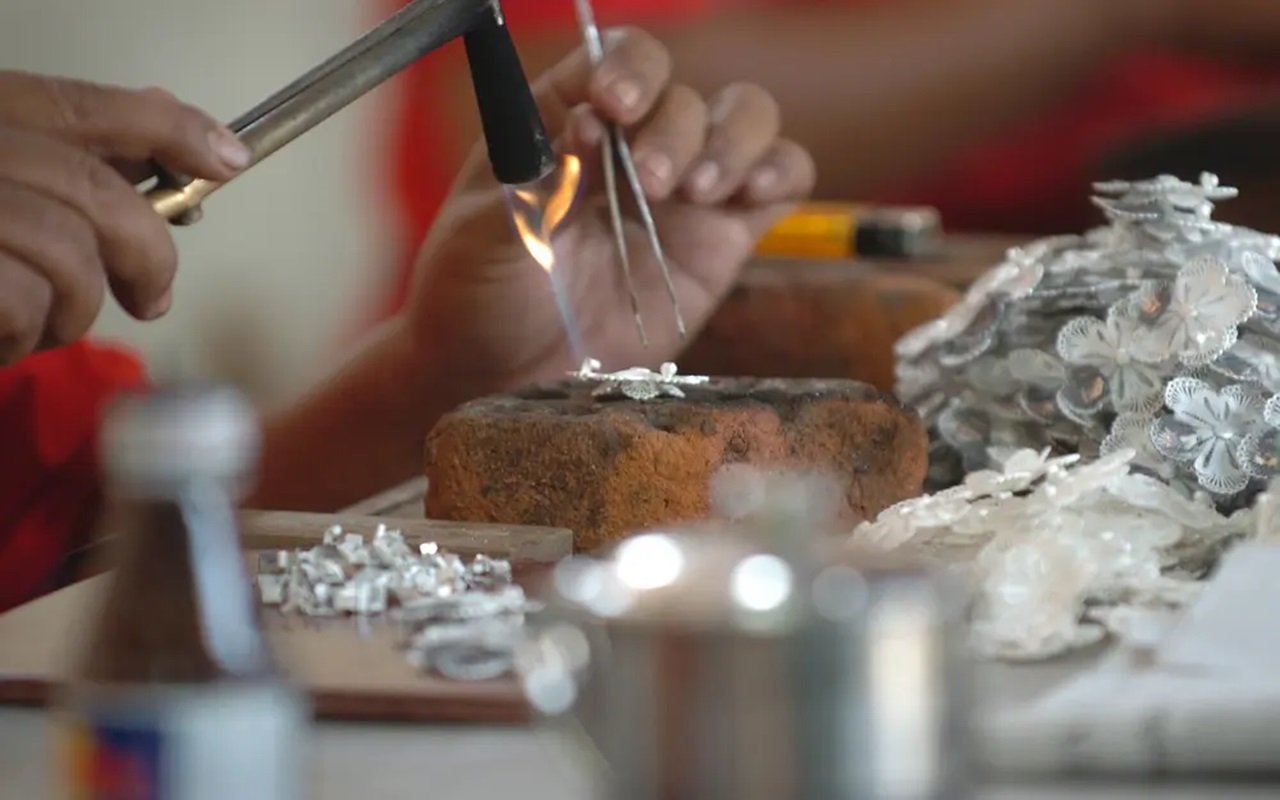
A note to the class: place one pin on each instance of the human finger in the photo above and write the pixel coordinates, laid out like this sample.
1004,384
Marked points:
787,173
623,89
125,124
136,248
744,122
667,143
58,243
25,299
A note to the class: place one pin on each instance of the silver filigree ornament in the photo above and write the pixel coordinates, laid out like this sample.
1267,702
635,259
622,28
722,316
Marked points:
1158,333
637,383
1061,551
462,618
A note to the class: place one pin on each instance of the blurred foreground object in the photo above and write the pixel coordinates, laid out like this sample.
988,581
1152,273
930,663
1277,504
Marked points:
1196,695
178,696
750,661
1159,333
849,230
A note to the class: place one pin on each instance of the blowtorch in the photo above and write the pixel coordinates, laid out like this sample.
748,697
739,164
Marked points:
519,149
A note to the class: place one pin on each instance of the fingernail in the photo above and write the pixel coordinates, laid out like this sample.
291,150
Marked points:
705,177
161,306
764,179
229,149
590,131
659,169
626,92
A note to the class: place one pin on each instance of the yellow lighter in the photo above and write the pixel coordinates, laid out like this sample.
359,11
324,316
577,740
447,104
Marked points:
852,230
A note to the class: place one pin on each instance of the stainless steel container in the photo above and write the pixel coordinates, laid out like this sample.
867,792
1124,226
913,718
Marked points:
719,663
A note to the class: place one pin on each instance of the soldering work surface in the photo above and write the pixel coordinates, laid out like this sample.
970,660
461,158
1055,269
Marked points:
352,671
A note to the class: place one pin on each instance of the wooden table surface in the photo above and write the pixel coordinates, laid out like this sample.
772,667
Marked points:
352,672
388,761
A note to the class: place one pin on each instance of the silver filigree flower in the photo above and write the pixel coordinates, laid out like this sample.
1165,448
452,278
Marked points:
1015,277
966,330
637,383
1205,428
1194,318
1259,452
1133,432
977,337
1261,271
1165,207
1040,376
1250,360
1101,367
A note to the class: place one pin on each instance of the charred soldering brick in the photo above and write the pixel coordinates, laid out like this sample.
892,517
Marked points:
815,319
552,454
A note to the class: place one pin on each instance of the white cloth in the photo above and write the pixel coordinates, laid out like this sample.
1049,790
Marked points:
1204,699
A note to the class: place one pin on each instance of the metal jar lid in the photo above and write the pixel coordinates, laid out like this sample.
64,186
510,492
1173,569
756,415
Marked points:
714,661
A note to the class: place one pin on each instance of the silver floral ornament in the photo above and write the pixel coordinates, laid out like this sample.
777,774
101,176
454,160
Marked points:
1133,432
637,383
1259,451
1102,367
1194,318
1205,428
1080,344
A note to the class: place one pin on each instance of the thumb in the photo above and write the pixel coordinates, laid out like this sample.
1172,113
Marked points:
122,124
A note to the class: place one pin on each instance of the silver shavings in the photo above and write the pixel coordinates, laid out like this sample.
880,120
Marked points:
637,383
1159,333
1060,551
463,618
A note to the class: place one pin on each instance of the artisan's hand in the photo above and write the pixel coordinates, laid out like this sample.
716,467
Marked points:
716,172
71,222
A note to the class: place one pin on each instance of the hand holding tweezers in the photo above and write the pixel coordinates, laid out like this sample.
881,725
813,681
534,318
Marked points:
616,150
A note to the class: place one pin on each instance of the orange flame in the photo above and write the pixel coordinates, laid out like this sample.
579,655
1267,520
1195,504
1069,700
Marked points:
538,209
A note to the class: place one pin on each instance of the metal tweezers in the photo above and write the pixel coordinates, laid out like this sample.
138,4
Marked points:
616,150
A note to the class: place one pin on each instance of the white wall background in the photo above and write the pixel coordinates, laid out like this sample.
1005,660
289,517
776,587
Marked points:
286,257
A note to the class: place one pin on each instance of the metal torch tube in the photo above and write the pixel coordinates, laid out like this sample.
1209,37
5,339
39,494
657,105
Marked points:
416,30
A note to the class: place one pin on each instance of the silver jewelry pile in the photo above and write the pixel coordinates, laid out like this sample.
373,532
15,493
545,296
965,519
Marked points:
1060,551
637,383
1158,333
463,619
1148,351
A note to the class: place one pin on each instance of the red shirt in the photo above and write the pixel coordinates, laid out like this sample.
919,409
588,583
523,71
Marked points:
51,406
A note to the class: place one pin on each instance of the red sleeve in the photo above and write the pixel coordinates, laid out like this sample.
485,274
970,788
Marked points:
51,407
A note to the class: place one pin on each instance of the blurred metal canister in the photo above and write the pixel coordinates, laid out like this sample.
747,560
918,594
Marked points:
717,662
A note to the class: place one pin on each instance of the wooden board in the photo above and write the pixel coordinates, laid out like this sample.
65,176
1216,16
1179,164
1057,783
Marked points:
402,502
351,674
262,530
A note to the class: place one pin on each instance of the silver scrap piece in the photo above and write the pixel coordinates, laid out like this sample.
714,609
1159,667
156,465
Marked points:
1159,332
462,618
